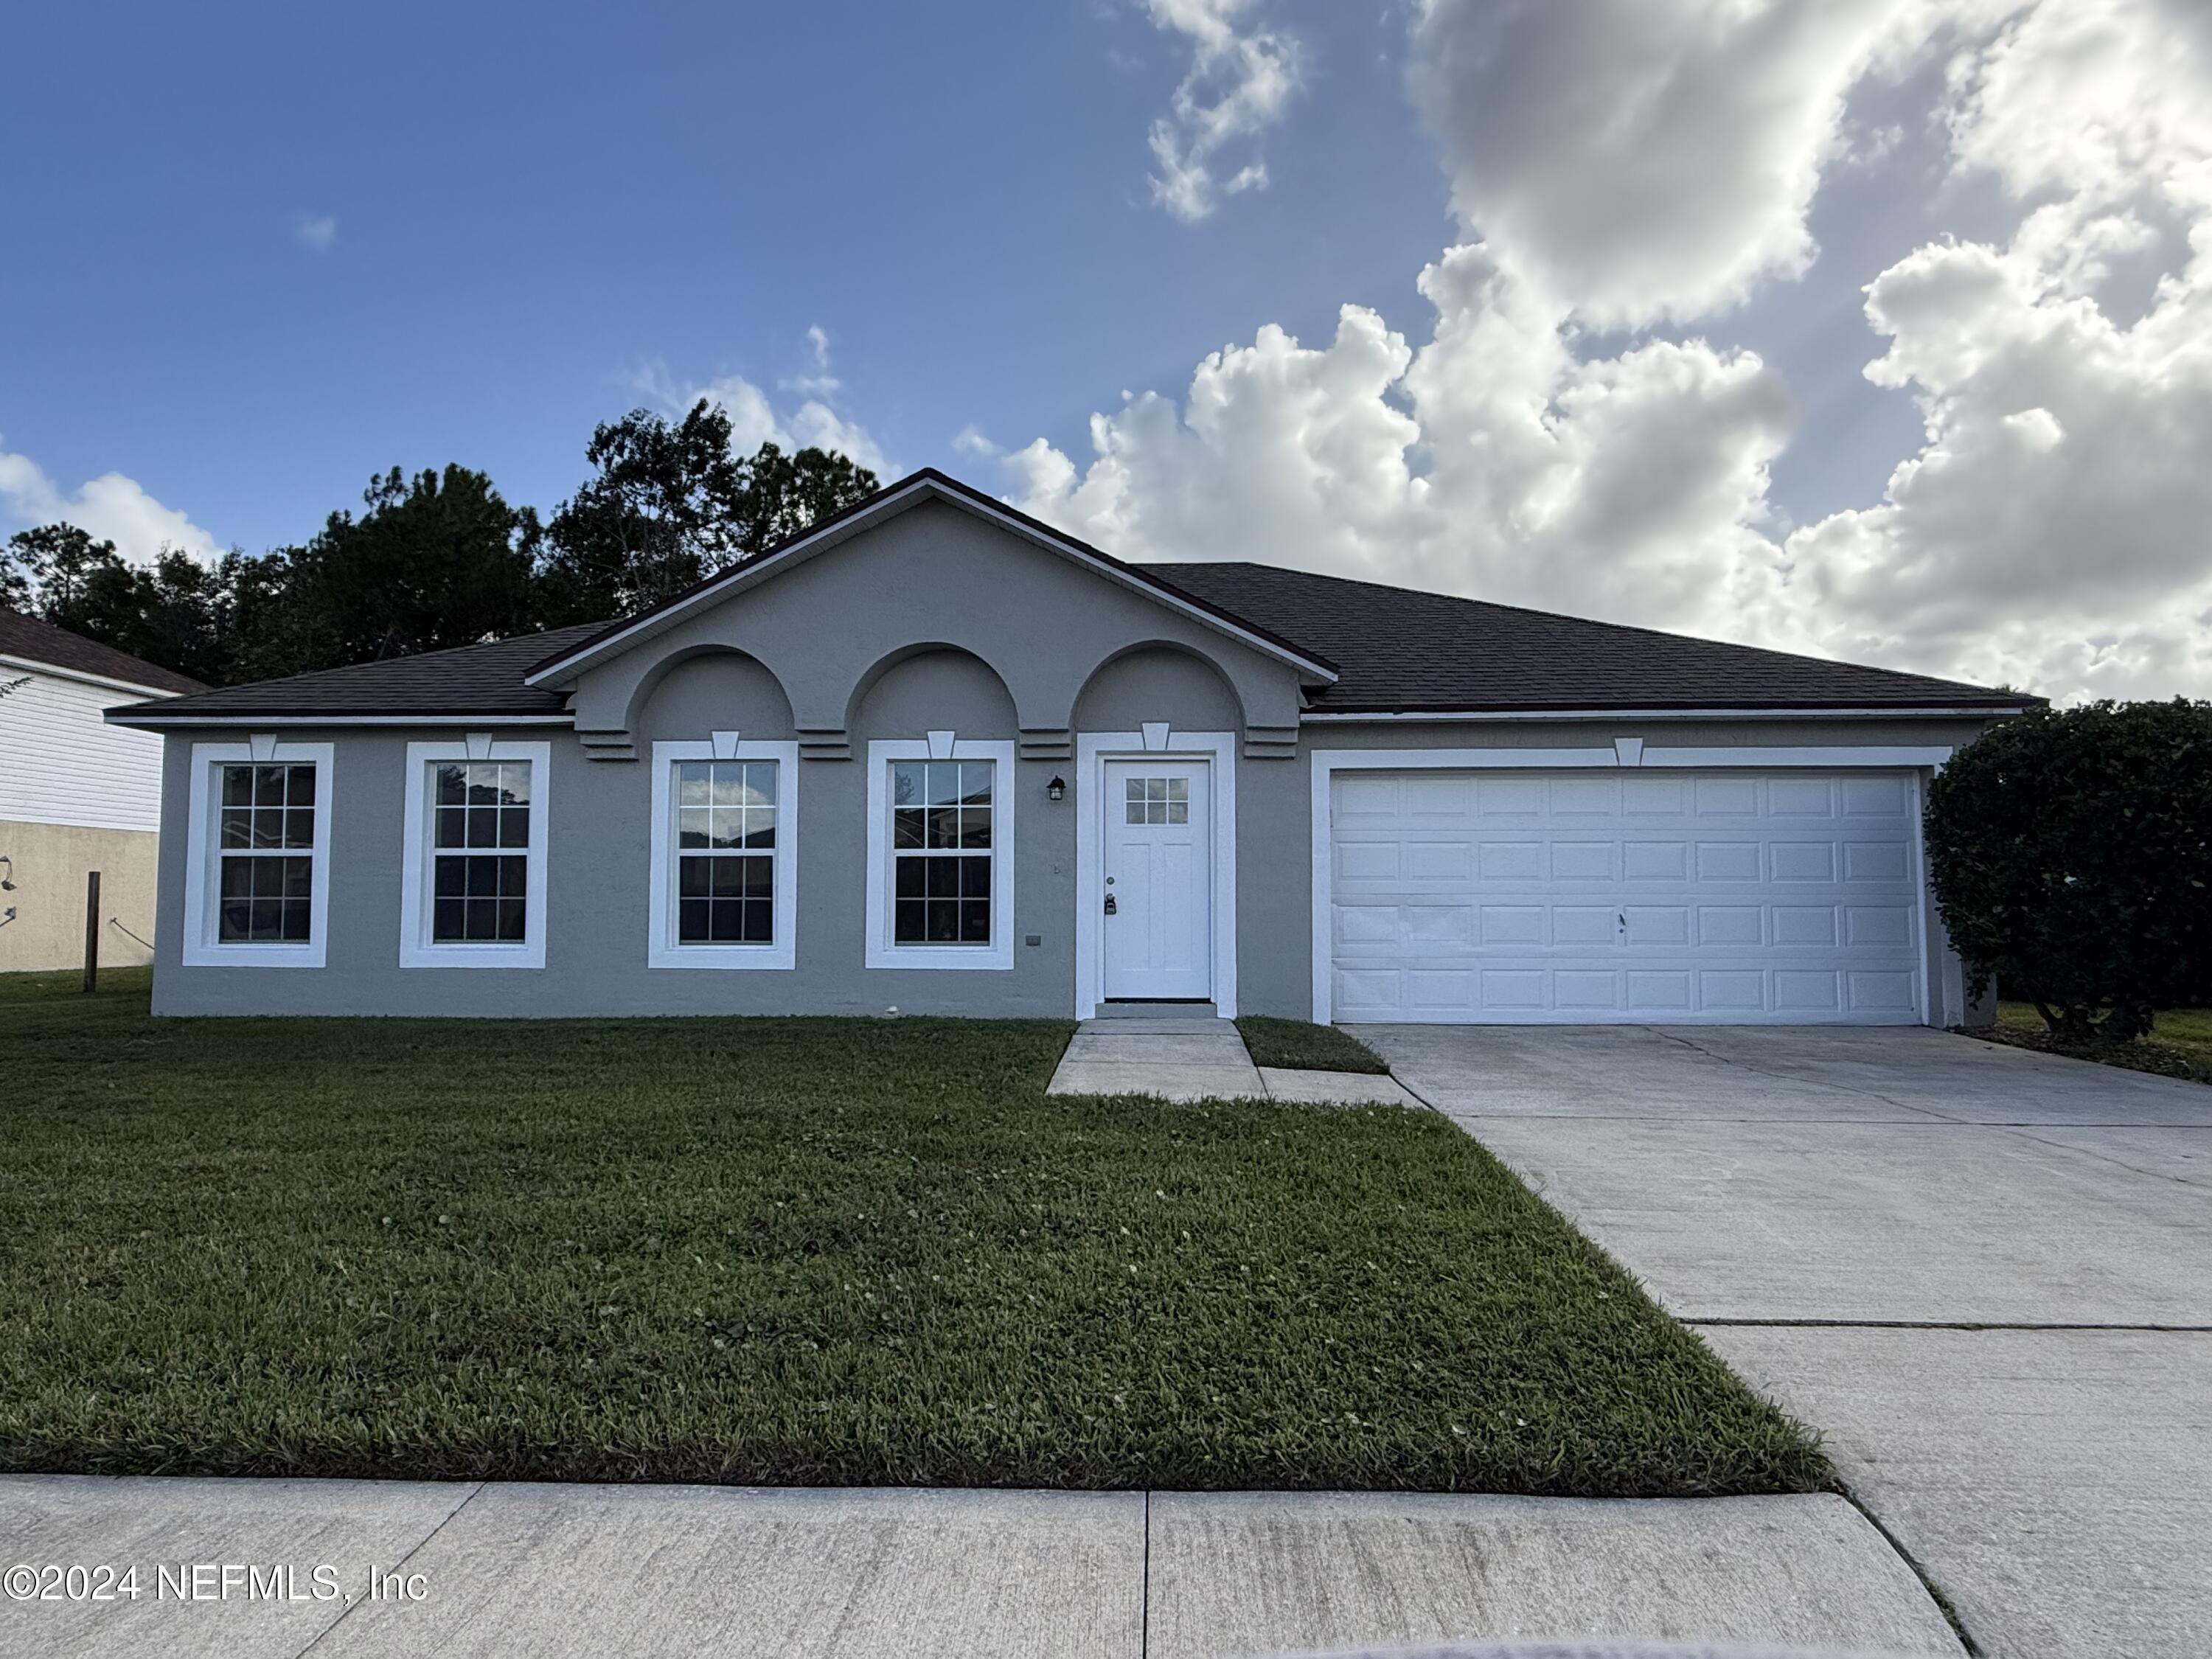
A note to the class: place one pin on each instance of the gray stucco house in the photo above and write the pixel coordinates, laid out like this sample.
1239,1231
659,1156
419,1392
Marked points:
934,755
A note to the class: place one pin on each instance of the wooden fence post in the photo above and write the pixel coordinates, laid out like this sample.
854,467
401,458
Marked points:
91,930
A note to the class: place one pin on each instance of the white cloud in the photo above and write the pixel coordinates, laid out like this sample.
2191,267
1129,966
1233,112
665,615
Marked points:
1487,460
1239,83
817,381
316,232
971,441
2057,526
754,420
110,508
1621,163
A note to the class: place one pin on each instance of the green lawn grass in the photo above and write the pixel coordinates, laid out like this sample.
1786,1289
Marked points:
1302,1046
818,1251
2181,1041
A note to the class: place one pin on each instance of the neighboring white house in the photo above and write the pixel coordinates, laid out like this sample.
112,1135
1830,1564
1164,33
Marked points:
77,795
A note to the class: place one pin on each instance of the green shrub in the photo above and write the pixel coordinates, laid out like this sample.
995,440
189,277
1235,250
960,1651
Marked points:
2071,856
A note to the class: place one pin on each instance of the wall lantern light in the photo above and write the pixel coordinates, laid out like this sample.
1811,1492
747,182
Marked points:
1056,790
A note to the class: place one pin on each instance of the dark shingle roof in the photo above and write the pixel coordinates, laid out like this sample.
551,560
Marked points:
28,640
1396,648
468,680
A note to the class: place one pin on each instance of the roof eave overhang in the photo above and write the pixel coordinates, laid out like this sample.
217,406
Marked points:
85,677
1730,712
563,670
150,718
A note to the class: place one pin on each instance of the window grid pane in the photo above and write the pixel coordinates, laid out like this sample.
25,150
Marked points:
480,897
941,829
264,842
725,852
267,807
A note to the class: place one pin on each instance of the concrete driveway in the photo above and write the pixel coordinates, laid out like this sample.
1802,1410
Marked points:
1982,1272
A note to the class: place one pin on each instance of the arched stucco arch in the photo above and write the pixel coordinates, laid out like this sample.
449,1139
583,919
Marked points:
750,696
1157,680
968,687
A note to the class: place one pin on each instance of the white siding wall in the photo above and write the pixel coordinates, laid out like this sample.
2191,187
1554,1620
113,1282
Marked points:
59,764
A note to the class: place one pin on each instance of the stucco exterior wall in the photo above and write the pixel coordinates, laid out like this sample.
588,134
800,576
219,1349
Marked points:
48,863
855,638
933,622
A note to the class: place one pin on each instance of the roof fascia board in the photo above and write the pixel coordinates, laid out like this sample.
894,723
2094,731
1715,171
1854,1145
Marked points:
150,719
738,580
1770,711
105,680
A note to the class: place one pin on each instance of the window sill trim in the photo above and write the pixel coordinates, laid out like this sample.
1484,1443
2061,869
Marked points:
723,957
995,958
251,956
472,956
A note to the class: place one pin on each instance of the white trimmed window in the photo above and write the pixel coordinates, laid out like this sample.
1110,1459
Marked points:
257,854
940,839
724,888
472,877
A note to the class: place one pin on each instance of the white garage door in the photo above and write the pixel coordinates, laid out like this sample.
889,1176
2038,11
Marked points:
1731,897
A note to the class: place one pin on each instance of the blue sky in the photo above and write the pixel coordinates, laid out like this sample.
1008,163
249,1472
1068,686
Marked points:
1868,328
530,206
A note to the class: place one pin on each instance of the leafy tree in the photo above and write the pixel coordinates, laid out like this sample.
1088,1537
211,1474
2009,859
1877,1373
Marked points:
435,561
49,567
170,615
670,502
2071,855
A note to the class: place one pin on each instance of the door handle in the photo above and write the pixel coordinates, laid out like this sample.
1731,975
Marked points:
1110,909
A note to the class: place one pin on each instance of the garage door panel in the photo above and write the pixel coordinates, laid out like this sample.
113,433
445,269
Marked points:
1584,924
1513,924
1428,990
1875,860
1875,798
1584,860
1802,860
1510,860
1726,797
1876,925
1366,860
1664,795
1731,924
1584,796
1732,990
1586,990
1728,860
1801,798
1807,991
1510,797
1654,860
1798,902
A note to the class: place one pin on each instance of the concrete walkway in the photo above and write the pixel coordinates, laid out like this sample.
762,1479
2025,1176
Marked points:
1178,1059
1980,1271
469,1571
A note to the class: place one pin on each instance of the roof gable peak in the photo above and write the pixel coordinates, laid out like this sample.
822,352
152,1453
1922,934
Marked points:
929,484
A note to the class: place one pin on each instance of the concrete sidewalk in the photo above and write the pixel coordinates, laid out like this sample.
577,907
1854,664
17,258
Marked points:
484,1570
1180,1059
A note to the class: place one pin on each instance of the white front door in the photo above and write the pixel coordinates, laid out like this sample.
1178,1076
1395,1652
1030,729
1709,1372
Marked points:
1158,887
